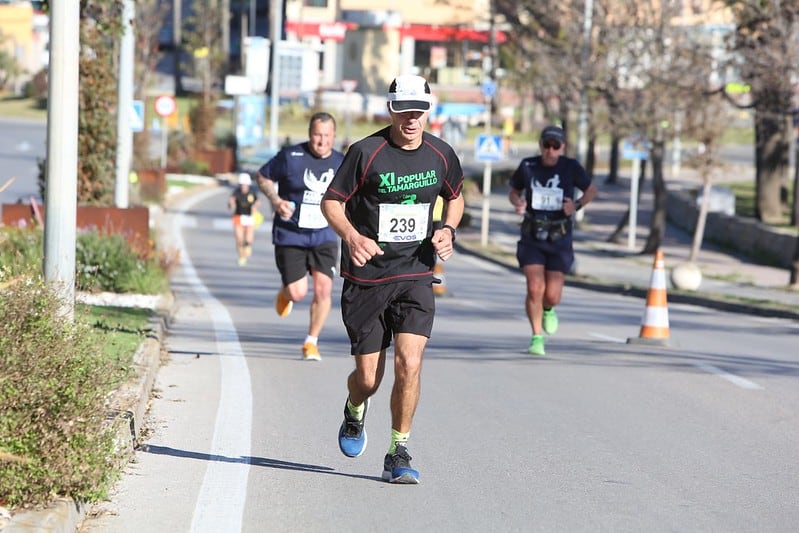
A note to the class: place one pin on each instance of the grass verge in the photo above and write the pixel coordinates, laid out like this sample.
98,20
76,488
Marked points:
56,377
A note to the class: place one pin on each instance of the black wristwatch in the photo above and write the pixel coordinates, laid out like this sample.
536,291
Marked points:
451,230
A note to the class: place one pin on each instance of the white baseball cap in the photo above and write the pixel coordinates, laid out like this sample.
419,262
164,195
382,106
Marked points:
245,179
409,93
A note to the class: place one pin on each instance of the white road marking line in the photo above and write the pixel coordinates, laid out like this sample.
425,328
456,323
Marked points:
186,222
226,224
221,499
732,378
607,338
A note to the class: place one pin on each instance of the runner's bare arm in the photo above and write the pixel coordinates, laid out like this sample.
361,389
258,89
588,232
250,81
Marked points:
517,201
282,207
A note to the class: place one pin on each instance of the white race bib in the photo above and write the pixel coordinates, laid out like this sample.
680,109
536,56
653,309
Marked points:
403,222
547,199
311,217
246,220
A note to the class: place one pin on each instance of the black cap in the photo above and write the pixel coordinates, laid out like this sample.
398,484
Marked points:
553,133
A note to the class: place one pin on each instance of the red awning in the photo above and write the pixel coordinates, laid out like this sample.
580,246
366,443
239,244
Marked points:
336,31
427,32
327,31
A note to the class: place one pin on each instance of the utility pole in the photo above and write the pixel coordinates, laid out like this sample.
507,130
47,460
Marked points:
252,18
226,33
582,121
125,106
489,94
177,38
492,66
62,155
274,103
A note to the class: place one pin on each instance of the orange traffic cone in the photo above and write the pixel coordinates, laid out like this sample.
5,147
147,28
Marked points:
655,324
440,288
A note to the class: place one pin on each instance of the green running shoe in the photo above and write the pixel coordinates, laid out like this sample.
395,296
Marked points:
536,345
550,321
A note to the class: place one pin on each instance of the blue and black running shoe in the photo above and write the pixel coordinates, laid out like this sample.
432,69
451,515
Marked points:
351,435
397,467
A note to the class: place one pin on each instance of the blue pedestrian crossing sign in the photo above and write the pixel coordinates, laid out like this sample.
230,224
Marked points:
635,149
137,116
489,88
488,148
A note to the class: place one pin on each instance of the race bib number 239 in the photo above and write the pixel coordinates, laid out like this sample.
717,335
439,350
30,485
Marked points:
403,222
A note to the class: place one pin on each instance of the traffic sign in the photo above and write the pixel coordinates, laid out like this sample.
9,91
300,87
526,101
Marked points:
165,105
137,117
489,88
635,150
488,148
349,85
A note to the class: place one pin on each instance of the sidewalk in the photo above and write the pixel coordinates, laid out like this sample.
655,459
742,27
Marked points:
729,282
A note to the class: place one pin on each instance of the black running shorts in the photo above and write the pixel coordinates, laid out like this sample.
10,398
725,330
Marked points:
555,256
295,262
372,314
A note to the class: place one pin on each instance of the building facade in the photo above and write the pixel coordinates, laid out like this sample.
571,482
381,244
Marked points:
24,36
371,41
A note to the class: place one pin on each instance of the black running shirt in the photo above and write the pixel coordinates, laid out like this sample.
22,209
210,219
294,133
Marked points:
244,200
389,195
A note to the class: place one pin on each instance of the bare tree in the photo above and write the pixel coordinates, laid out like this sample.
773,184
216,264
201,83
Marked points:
766,42
706,124
543,38
204,38
149,21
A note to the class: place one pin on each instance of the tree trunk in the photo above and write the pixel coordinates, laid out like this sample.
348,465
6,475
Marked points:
795,200
590,159
657,228
625,218
613,171
794,282
771,154
699,230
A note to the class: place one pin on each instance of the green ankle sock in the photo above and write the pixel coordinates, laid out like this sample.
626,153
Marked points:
397,438
355,410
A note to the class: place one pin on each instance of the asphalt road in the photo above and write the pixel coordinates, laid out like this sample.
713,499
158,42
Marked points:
22,144
599,435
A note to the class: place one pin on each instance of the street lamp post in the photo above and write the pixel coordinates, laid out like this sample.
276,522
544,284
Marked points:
125,107
62,155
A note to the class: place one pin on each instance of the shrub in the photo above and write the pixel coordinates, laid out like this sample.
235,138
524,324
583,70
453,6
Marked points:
198,168
54,380
102,262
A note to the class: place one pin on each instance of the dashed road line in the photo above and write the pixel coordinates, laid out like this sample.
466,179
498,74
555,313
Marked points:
732,378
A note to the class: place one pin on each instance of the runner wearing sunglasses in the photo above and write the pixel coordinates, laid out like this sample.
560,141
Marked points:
542,189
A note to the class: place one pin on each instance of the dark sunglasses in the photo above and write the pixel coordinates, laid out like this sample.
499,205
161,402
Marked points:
555,145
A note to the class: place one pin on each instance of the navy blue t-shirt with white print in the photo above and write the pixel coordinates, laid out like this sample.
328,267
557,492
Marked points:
302,178
545,187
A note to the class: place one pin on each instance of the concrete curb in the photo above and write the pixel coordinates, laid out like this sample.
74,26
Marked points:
709,300
63,516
